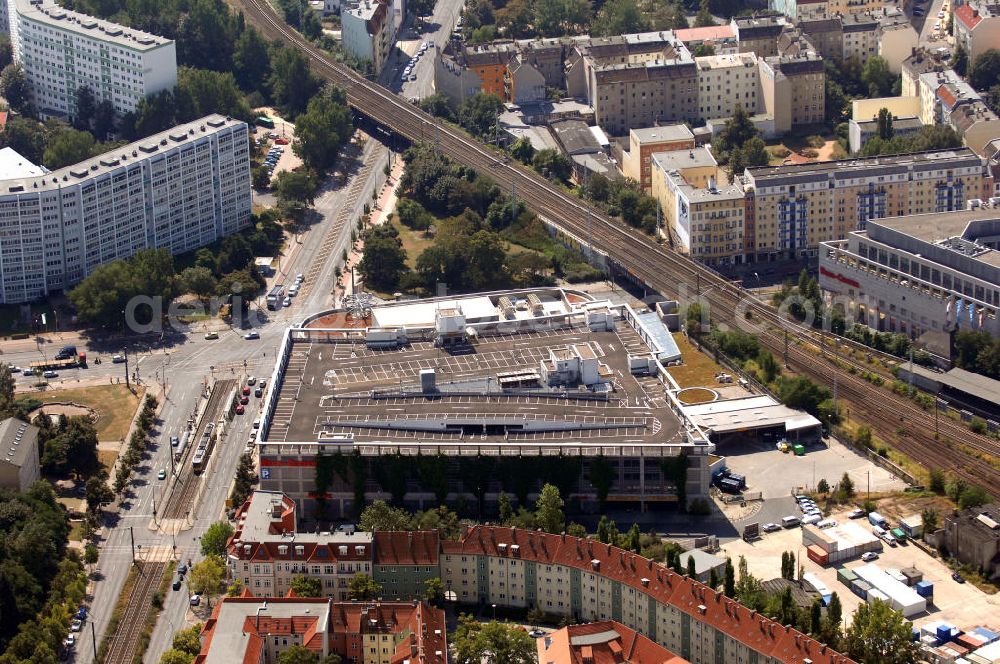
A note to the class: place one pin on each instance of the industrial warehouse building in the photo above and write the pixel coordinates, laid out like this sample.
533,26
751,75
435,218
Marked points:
178,190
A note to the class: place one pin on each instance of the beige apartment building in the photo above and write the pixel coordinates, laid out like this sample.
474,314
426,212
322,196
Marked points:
266,552
758,35
635,80
590,581
798,207
643,143
977,27
704,215
793,90
726,82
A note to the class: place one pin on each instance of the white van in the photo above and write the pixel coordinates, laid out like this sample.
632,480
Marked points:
826,523
790,521
812,520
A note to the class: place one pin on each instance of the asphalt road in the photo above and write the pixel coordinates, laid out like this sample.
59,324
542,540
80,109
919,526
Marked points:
437,30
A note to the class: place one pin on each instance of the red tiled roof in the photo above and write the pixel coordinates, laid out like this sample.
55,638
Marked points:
696,599
629,646
420,628
396,547
967,16
707,33
946,96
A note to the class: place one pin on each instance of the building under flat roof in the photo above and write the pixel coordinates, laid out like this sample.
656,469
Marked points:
849,167
14,165
984,391
676,160
749,413
675,132
51,14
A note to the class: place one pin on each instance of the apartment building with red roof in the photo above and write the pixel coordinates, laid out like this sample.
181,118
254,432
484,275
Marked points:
404,562
604,642
977,26
590,581
252,630
266,551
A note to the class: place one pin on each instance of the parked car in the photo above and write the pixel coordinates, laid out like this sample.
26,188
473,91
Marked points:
211,336
857,513
69,642
299,278
244,400
869,556
174,441
195,600
51,374
958,578
536,633
771,527
246,391
162,474
251,335
240,409
177,584
258,392
182,568
75,625
251,380
287,302
27,372
281,141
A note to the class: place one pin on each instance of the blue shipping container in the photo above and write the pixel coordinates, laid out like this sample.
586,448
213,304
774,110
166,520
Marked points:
925,588
943,632
989,635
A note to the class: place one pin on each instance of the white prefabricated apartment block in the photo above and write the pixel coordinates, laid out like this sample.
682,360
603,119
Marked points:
62,51
179,190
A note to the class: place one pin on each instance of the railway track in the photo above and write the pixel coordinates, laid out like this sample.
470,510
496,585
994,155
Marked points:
126,638
179,503
894,419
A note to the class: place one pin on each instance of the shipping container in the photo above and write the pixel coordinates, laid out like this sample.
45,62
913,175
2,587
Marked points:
817,555
924,588
846,576
860,587
799,449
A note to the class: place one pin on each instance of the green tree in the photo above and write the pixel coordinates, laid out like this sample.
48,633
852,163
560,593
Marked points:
153,114
363,587
292,84
522,150
382,516
102,296
729,580
198,280
619,17
703,50
86,107
6,51
549,510
692,570
298,655
972,496
434,590
816,617
26,136
294,191
413,215
14,87
846,488
823,486
505,508
384,259
174,656
90,554
323,129
251,59
98,493
492,643
188,640
704,17
206,577
880,634
885,131
200,92
877,77
553,164
937,481
217,535
960,60
68,146
104,120
929,520
307,586
985,71
478,114
755,152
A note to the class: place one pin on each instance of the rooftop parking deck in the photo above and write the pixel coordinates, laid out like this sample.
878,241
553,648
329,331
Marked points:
346,390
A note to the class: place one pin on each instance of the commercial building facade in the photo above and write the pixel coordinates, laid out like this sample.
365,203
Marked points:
603,642
728,82
366,31
177,190
799,207
918,273
973,536
62,51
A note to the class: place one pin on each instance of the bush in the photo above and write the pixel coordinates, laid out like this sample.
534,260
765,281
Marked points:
810,153
700,507
780,151
815,141
978,425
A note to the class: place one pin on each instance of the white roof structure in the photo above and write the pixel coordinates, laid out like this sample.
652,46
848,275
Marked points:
13,165
902,598
747,413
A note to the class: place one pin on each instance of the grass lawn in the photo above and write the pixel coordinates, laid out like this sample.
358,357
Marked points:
414,242
114,405
76,531
698,369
